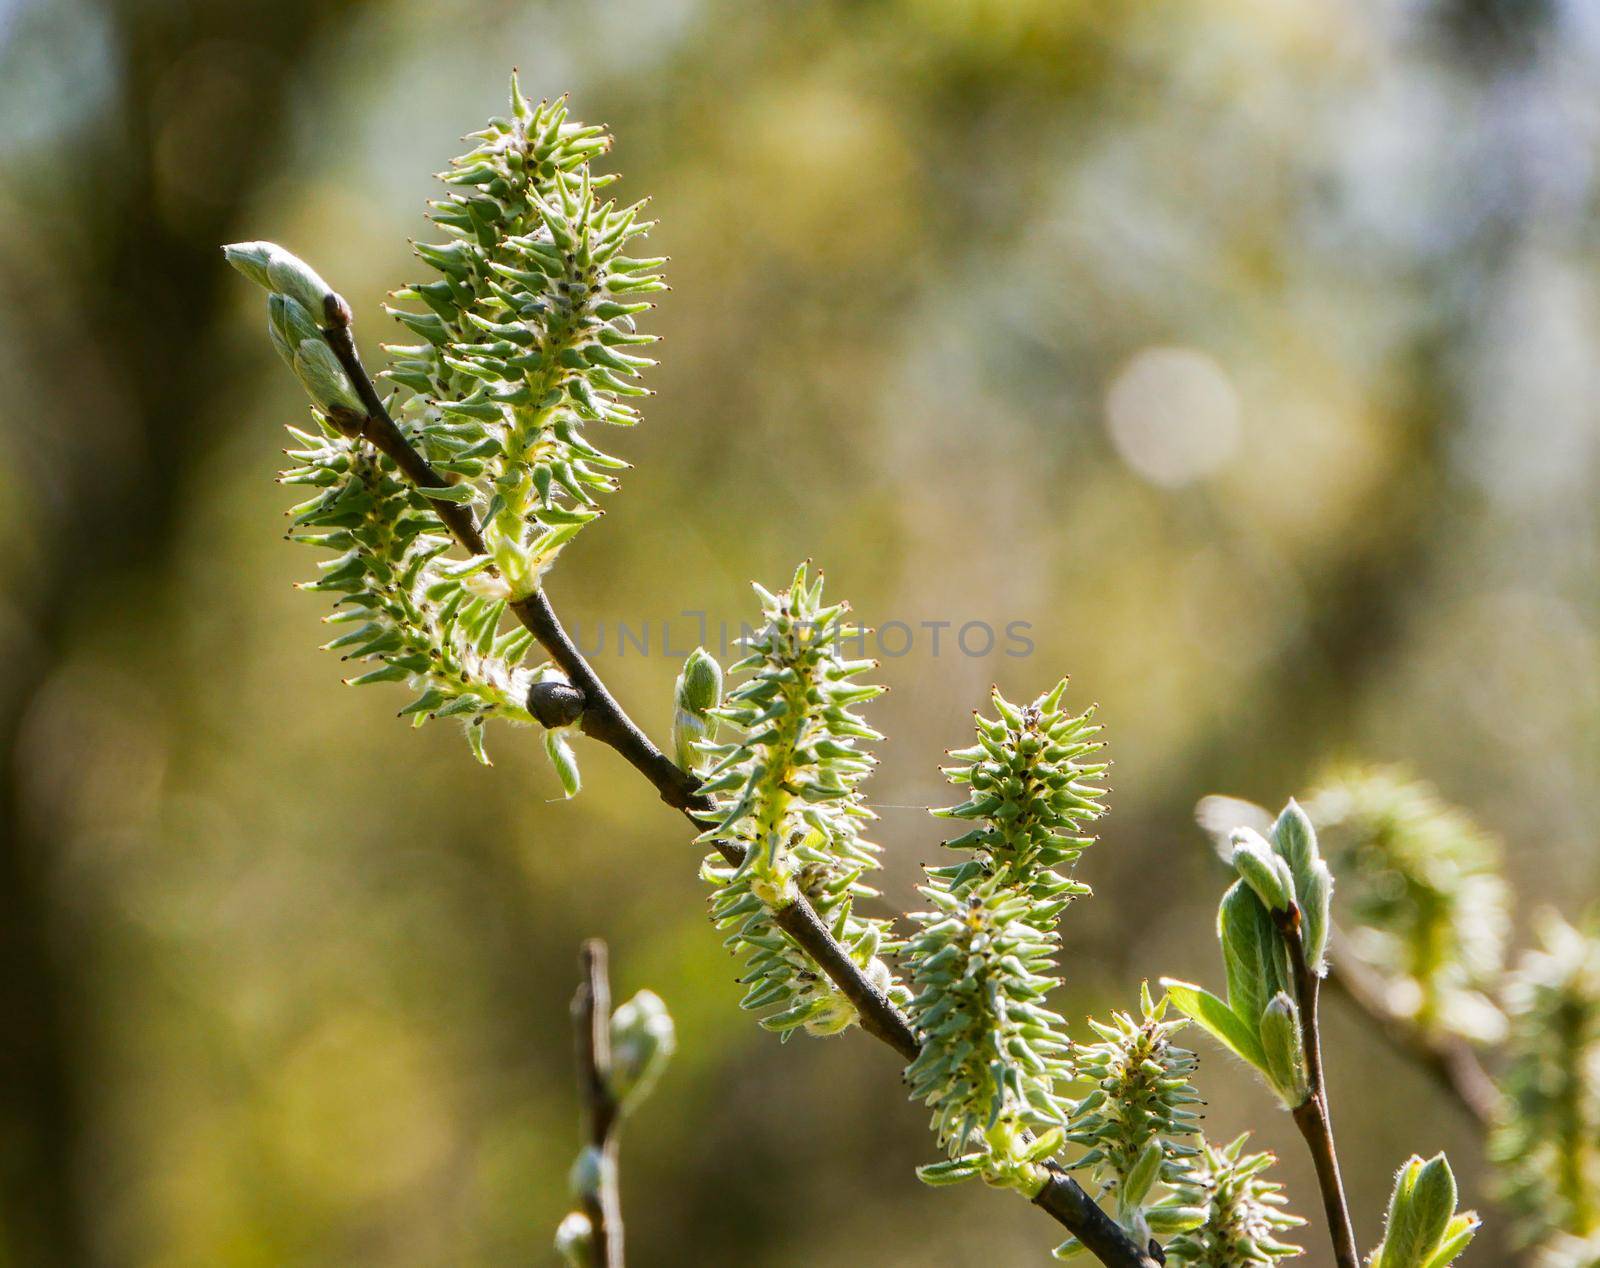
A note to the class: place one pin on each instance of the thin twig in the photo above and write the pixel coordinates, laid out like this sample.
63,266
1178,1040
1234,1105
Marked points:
602,718
591,1019
1451,1061
1311,1117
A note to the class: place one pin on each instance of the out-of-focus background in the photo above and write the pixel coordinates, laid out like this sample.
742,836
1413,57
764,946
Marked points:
1244,350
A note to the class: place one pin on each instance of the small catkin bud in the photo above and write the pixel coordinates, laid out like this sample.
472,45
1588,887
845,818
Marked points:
643,1040
1262,870
700,684
1399,1240
588,1172
698,691
1144,1172
1423,1229
1281,1045
575,1240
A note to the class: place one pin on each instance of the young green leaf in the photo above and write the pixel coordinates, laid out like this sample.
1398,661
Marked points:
1218,1020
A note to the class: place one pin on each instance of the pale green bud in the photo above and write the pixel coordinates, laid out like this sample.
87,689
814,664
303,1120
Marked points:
1398,1249
699,686
1143,1174
1433,1202
1262,870
269,265
1165,1219
1458,1236
642,1041
575,1240
289,325
1284,1051
1422,1225
698,691
1296,839
587,1173
324,378
1316,901
1252,953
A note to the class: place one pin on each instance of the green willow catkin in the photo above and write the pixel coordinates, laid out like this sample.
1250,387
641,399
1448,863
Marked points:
982,960
526,331
1243,1212
1547,1143
787,790
1137,1123
1422,894
409,619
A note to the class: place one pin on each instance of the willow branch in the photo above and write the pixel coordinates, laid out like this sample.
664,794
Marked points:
599,715
1066,1202
1311,1117
591,1019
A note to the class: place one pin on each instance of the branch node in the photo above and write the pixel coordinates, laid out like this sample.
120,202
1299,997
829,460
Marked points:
555,703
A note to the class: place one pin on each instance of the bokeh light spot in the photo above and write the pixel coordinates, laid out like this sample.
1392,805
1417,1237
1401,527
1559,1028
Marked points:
1173,415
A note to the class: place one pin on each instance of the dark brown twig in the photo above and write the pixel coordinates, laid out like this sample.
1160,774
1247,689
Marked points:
602,718
591,1020
1311,1117
1064,1198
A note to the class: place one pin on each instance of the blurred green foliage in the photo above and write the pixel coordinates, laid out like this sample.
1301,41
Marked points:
1259,334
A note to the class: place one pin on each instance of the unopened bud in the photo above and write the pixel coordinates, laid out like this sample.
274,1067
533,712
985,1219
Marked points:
588,1172
269,265
1433,1203
1166,1220
643,1039
555,702
1143,1174
1296,839
698,691
1316,901
575,1240
1423,1228
1262,870
324,379
289,325
1284,1050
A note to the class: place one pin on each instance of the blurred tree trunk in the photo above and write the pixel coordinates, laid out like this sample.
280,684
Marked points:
125,293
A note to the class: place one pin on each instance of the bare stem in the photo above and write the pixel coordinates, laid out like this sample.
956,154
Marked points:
1311,1117
591,1019
602,718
